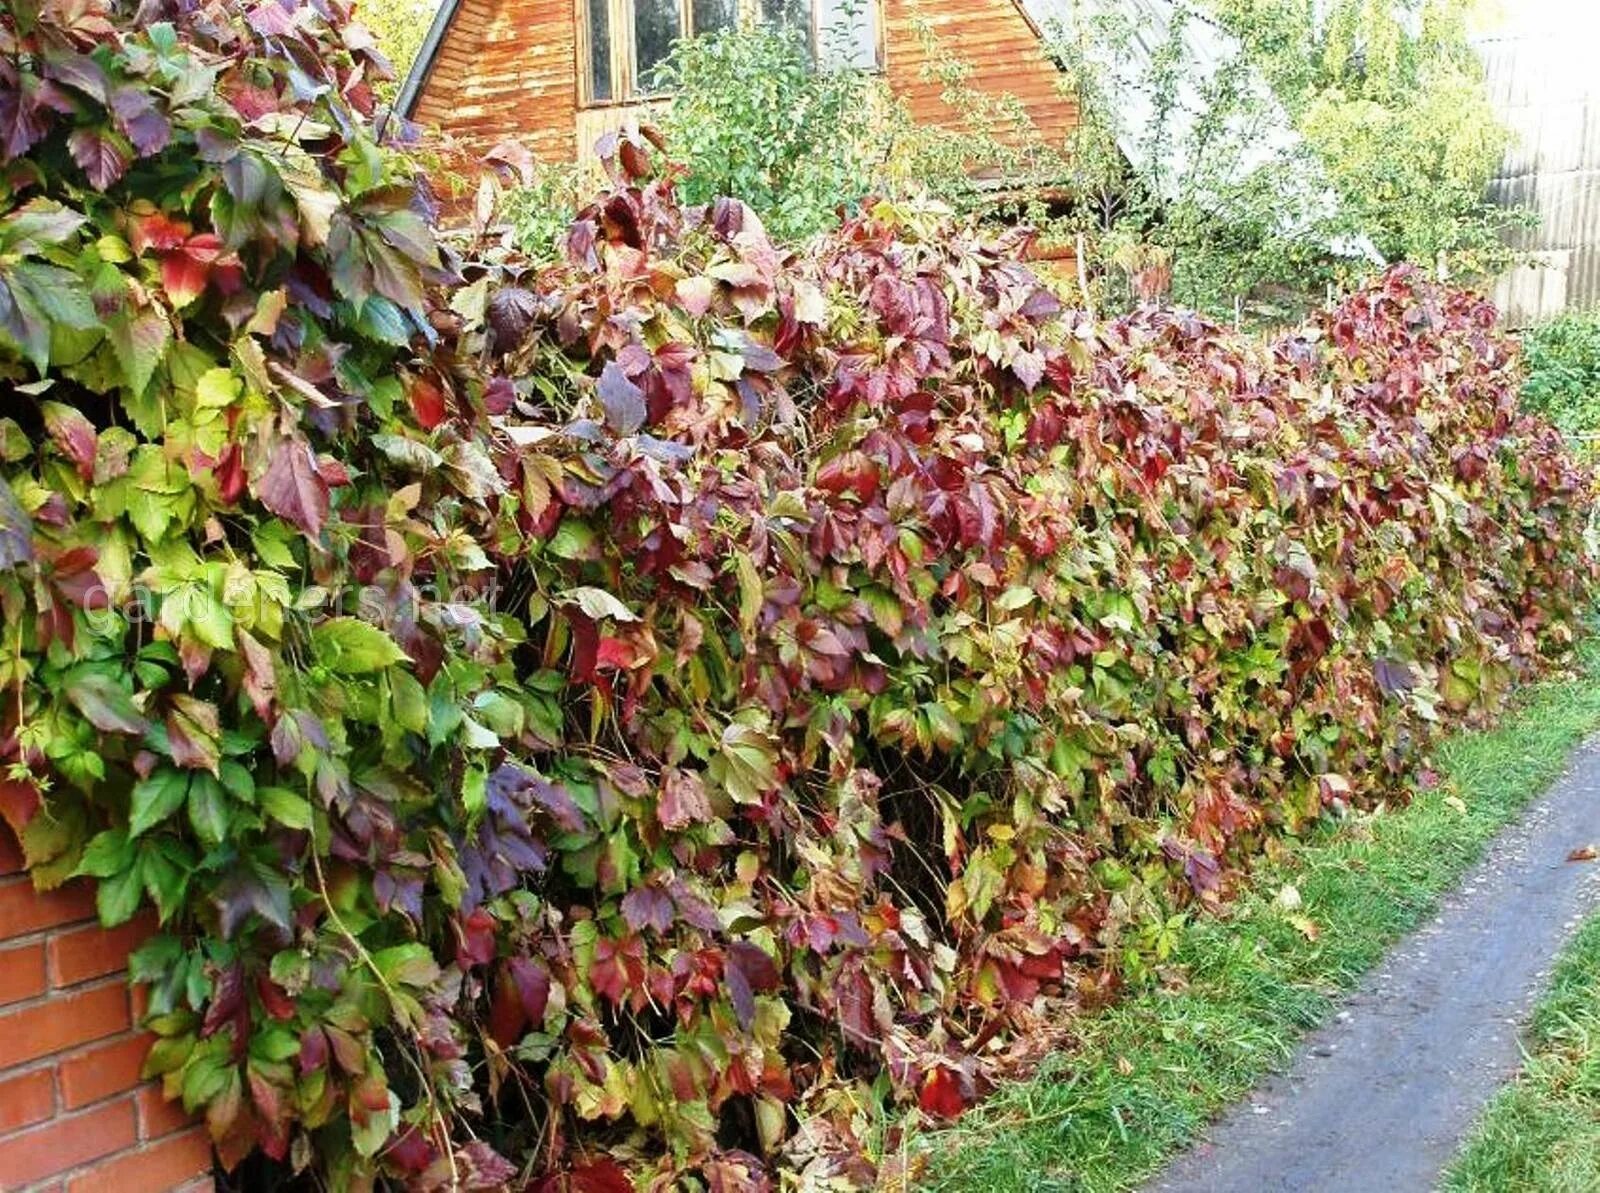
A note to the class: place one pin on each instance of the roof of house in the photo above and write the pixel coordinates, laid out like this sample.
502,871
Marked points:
422,66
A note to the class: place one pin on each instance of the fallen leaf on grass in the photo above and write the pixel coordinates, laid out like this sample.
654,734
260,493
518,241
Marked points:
1456,802
1288,898
1307,926
1584,853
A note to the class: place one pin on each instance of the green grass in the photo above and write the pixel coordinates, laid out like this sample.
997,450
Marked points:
1148,1073
1541,1134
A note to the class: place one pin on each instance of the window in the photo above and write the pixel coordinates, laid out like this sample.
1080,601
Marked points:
621,42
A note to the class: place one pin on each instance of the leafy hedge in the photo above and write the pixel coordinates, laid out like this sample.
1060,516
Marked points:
1563,367
633,718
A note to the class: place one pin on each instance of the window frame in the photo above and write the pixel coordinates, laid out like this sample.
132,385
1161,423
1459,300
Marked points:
623,55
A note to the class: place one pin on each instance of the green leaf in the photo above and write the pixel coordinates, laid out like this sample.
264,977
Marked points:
352,647
217,388
572,540
208,810
105,703
372,1132
118,896
140,344
409,702
110,852
407,965
285,807
38,224
156,798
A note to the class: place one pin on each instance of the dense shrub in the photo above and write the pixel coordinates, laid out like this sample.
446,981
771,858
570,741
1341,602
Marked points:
750,113
1563,371
638,716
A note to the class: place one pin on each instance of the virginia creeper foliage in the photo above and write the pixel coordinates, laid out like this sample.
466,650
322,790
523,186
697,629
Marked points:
618,722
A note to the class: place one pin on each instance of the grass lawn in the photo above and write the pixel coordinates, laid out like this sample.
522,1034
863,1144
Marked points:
1149,1072
1542,1133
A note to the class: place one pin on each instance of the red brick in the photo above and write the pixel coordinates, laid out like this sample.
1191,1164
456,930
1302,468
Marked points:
21,972
154,1169
103,1070
65,1143
63,1022
24,910
157,1116
79,954
26,1099
11,860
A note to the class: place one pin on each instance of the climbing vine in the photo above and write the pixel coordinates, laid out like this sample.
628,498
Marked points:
622,720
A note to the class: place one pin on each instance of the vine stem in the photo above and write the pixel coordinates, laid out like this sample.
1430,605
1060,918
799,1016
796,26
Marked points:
366,959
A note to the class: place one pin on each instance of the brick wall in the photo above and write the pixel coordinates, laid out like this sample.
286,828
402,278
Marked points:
74,1116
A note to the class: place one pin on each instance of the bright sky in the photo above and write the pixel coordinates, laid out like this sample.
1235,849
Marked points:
1498,18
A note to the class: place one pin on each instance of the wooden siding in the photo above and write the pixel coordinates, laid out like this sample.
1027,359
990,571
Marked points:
508,69
996,43
1542,80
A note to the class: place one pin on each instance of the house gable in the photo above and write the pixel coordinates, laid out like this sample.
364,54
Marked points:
499,69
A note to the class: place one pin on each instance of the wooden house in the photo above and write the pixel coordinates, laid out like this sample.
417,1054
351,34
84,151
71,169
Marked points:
1540,71
557,74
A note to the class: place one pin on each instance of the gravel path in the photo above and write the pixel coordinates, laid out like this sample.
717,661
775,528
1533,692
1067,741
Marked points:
1381,1098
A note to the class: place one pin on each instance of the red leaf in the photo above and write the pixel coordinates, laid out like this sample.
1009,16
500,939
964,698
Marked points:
313,1050
475,943
410,1152
599,1176
427,403
940,1095
183,277
274,999
507,1018
230,474
156,231
850,472
260,679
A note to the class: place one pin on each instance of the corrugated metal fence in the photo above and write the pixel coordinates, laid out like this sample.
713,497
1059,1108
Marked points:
1542,67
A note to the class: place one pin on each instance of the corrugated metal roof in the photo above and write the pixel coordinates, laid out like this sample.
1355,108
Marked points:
1540,69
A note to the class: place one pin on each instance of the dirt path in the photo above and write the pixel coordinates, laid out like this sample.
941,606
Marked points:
1380,1099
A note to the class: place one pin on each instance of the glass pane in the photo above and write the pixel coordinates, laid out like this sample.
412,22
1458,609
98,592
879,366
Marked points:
599,49
847,33
711,15
655,28
788,14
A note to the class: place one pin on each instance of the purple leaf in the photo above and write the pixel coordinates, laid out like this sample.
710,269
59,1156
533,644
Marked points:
99,154
532,980
292,487
140,120
622,399
511,312
16,530
647,906
1393,676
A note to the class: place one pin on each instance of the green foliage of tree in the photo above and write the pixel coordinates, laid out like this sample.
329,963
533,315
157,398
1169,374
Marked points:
399,26
1563,362
752,115
1390,98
